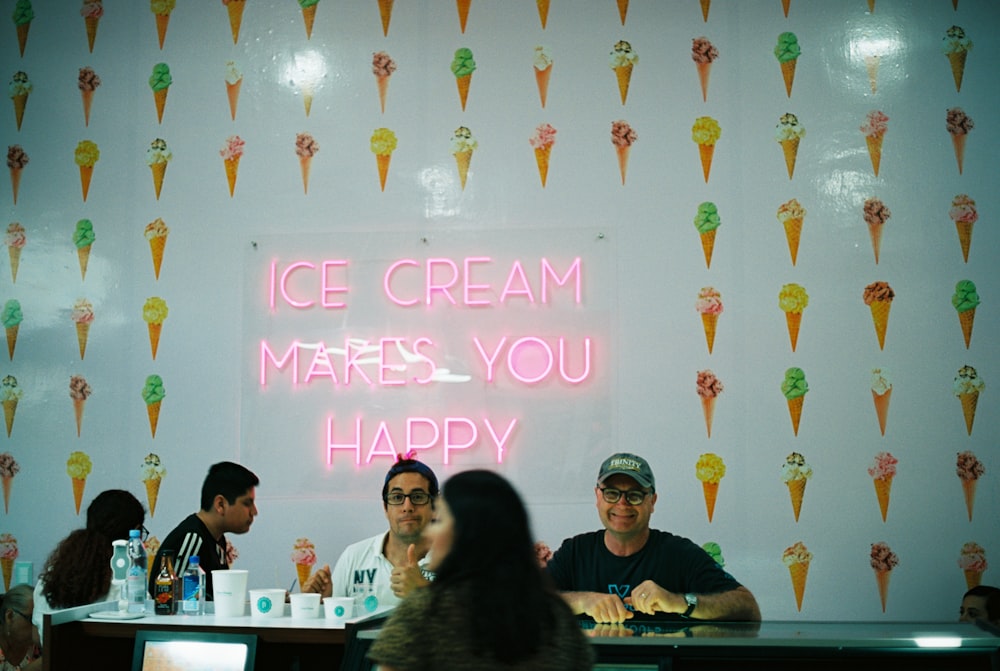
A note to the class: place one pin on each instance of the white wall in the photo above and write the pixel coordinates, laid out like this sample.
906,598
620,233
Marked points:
642,258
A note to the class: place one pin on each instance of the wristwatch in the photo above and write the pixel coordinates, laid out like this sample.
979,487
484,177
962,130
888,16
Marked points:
692,602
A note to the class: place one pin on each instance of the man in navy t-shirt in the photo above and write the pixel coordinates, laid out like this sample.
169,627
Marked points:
629,570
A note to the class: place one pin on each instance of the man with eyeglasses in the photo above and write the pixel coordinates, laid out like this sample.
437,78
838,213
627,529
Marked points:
631,571
391,563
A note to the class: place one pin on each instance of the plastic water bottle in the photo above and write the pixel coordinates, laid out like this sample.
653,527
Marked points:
193,590
135,581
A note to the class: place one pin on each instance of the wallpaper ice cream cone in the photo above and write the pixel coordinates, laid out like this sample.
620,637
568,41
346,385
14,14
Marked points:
710,469
10,395
956,47
15,238
153,394
787,51
17,159
234,83
792,215
542,65
157,157
623,59
462,146
789,132
798,559
9,551
964,213
542,142
703,53
792,300
709,306
161,10
794,387
795,473
11,316
707,222
154,311
968,386
878,296
8,469
462,66
883,471
383,142
87,82
881,388
382,67
78,467
79,392
86,156
306,148
156,233
152,473
959,124
231,153
972,561
705,133
708,387
969,469
83,317
83,240
883,561
965,300
19,89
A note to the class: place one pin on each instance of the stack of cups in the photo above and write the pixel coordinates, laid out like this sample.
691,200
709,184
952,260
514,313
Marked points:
229,589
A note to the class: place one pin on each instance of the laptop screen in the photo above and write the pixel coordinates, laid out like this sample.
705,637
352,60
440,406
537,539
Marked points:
164,650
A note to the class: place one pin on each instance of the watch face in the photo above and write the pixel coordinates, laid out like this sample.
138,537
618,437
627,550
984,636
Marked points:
691,599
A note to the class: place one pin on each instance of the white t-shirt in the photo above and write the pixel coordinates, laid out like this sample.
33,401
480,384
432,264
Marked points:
363,562
42,604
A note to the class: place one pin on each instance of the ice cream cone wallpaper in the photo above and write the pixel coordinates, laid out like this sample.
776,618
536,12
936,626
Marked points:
972,561
493,236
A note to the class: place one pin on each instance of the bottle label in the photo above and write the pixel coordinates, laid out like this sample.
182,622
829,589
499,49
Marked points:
164,599
192,594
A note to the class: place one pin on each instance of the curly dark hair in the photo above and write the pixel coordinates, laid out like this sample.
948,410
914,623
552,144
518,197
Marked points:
78,571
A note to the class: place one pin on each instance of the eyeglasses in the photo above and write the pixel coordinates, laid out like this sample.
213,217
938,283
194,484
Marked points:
26,617
143,532
633,497
417,498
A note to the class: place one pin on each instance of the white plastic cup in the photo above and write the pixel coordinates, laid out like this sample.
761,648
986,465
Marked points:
229,592
338,609
305,606
267,602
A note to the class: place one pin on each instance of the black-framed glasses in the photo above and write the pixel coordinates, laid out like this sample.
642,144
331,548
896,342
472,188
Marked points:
26,617
417,498
143,533
633,497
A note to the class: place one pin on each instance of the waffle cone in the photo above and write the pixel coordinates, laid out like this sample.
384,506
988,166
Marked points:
973,578
8,572
788,73
799,572
622,9
159,171
542,80
880,318
871,64
711,492
82,333
15,181
305,164
969,402
883,486
383,89
969,490
875,233
462,159
78,485
542,155
705,152
790,148
153,411
463,83
235,9
624,76
162,21
463,12
383,168
233,93
793,234
15,262
160,98
871,6
708,245
83,256
9,411
882,577
796,490
154,337
793,320
709,322
156,247
304,570
882,407
708,409
152,493
795,412
966,319
88,100
705,6
91,23
785,6
86,174
957,60
232,167
307,99
958,142
8,482
543,12
19,102
704,72
12,339
22,36
385,10
78,404
309,17
623,153
964,237
874,143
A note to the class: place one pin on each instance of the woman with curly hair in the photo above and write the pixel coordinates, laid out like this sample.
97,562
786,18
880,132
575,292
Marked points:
78,571
490,606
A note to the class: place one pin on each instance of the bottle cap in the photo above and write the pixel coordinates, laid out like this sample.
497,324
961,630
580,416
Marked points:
193,560
133,533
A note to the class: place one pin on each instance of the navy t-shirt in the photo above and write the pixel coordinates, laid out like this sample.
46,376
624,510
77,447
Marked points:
584,564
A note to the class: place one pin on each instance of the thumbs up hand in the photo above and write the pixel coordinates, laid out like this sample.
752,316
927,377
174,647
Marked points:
408,576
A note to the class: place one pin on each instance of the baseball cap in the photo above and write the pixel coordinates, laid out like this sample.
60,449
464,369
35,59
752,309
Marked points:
631,465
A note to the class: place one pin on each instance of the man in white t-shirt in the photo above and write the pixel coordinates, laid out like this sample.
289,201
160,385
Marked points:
391,564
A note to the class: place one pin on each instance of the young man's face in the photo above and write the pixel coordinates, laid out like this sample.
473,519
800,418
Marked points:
973,608
238,516
407,520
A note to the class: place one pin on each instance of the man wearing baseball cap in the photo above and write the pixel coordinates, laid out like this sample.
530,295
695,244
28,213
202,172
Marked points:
628,570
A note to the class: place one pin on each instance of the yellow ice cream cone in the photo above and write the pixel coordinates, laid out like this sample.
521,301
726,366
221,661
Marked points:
785,6
305,165
383,168
152,493
235,9
78,485
969,402
882,407
883,487
543,12
880,318
709,322
790,148
383,89
704,72
875,150
82,333
624,75
232,167
705,6
796,490
875,233
22,36
88,100
793,320
799,572
542,155
705,151
958,142
162,20
711,492
462,159
15,181
385,11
